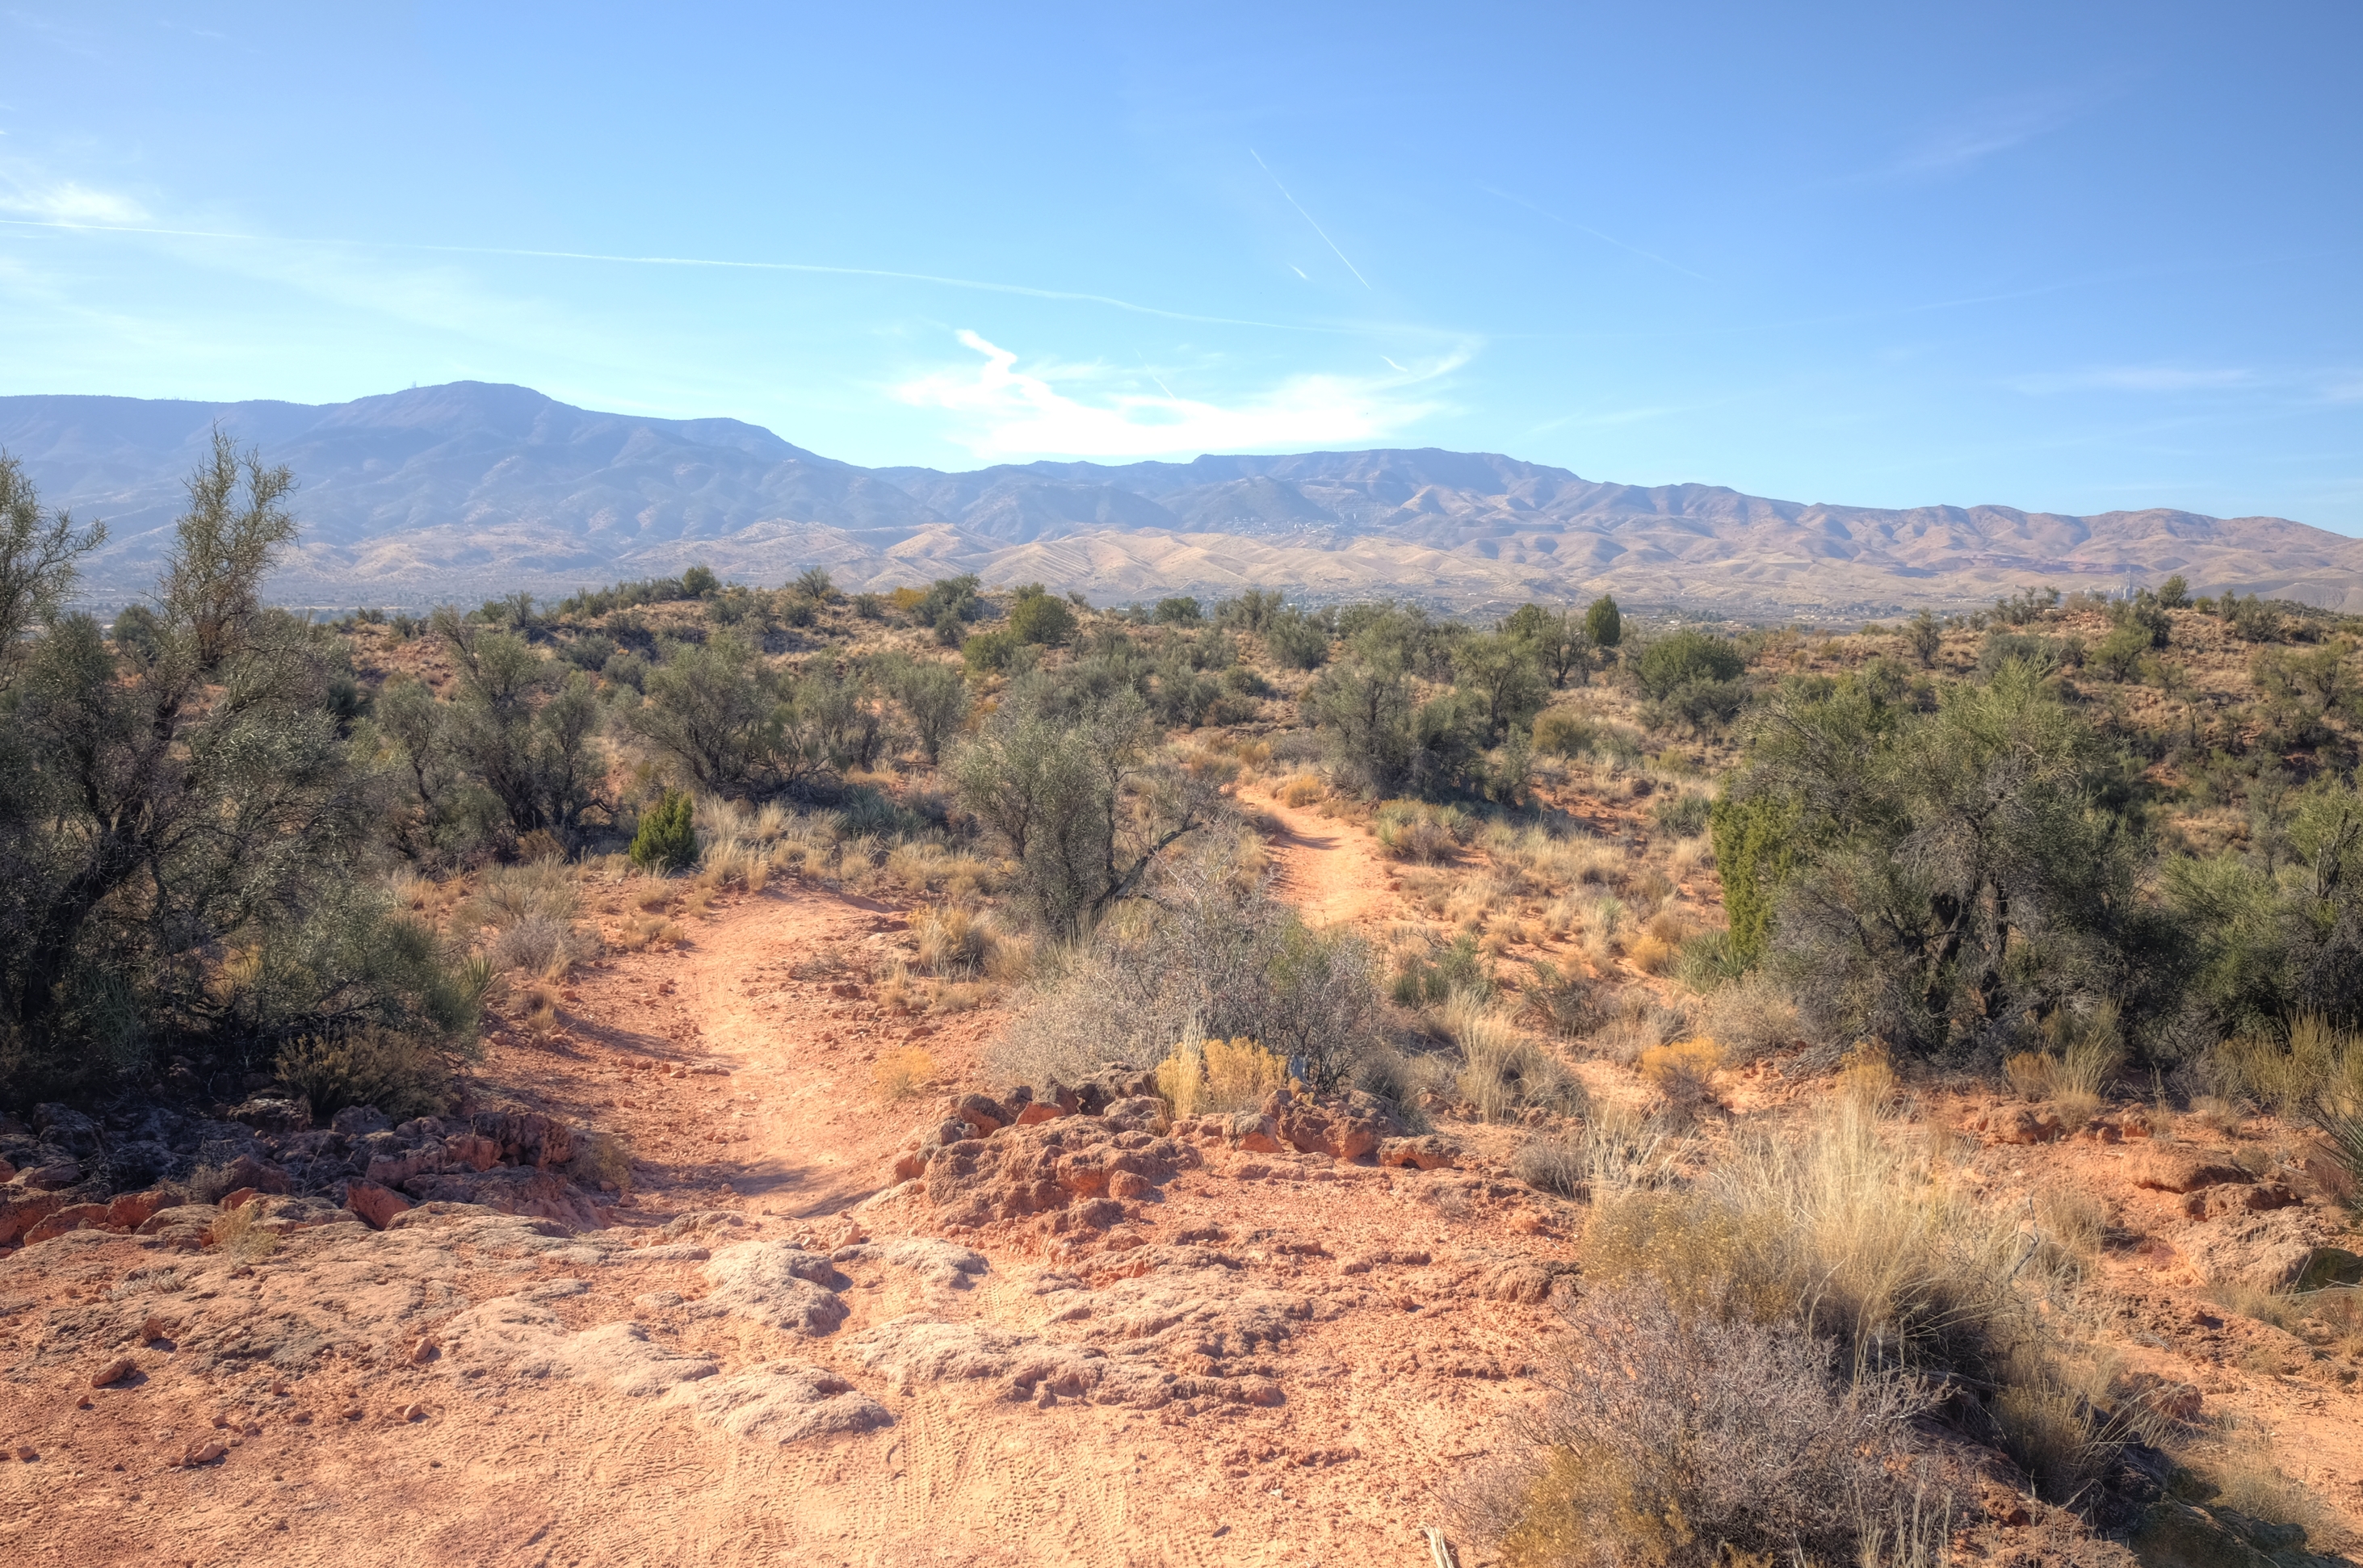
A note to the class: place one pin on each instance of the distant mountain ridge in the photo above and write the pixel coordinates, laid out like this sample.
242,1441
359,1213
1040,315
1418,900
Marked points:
470,488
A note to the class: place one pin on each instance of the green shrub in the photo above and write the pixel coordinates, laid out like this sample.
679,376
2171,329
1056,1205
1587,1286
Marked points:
1683,816
1414,830
399,1074
1432,979
1296,641
990,651
1688,657
667,839
1602,622
1178,611
1561,732
1043,619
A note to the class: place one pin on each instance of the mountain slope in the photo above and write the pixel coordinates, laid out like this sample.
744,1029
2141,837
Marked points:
467,488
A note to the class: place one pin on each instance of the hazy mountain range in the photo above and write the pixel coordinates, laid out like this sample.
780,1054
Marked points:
471,489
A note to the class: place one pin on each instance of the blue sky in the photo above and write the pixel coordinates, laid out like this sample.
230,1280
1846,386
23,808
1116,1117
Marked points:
2069,257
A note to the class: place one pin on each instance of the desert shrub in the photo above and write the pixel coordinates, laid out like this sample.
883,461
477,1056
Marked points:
173,805
1414,830
2086,1049
2316,1071
1684,659
959,942
1431,978
1042,618
1296,641
1381,738
1213,955
1683,1074
1747,1015
728,718
1608,1155
601,1159
1949,874
399,1074
667,839
1079,799
1681,816
1708,960
1300,790
237,1235
1559,999
1178,611
1503,674
625,671
1199,1077
1602,622
1685,1438
1562,732
988,652
869,607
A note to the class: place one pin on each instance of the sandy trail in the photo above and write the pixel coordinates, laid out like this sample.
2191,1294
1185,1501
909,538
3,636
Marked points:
768,1014
1329,870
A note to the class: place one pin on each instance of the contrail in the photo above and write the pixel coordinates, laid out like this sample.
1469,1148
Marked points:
1607,238
1308,219
1108,299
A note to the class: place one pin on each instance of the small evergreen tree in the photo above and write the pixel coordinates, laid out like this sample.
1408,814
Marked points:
1603,623
667,837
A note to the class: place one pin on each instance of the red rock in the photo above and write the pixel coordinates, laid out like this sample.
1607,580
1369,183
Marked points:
1126,1185
114,1371
22,1212
132,1209
240,1198
476,1153
376,1205
246,1171
2017,1124
987,1116
49,1178
1038,1111
73,1217
1428,1153
1316,1128
2168,1171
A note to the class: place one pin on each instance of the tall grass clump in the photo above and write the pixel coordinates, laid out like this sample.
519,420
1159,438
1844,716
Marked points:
1503,1072
1205,1076
1419,831
1755,1344
1679,1438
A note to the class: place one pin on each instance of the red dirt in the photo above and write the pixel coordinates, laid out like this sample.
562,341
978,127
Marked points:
1394,1378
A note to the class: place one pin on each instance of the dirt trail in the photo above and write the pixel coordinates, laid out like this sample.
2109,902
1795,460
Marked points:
767,1017
1328,869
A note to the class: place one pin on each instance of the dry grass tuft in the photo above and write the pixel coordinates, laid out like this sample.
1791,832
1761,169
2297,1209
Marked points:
1205,1076
236,1233
899,1074
1418,830
1503,1071
1683,1073
1300,790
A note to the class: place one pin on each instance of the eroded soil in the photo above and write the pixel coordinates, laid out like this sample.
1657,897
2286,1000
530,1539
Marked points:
776,1353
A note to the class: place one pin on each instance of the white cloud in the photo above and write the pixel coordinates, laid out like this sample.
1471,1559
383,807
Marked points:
1006,413
65,201
1992,129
